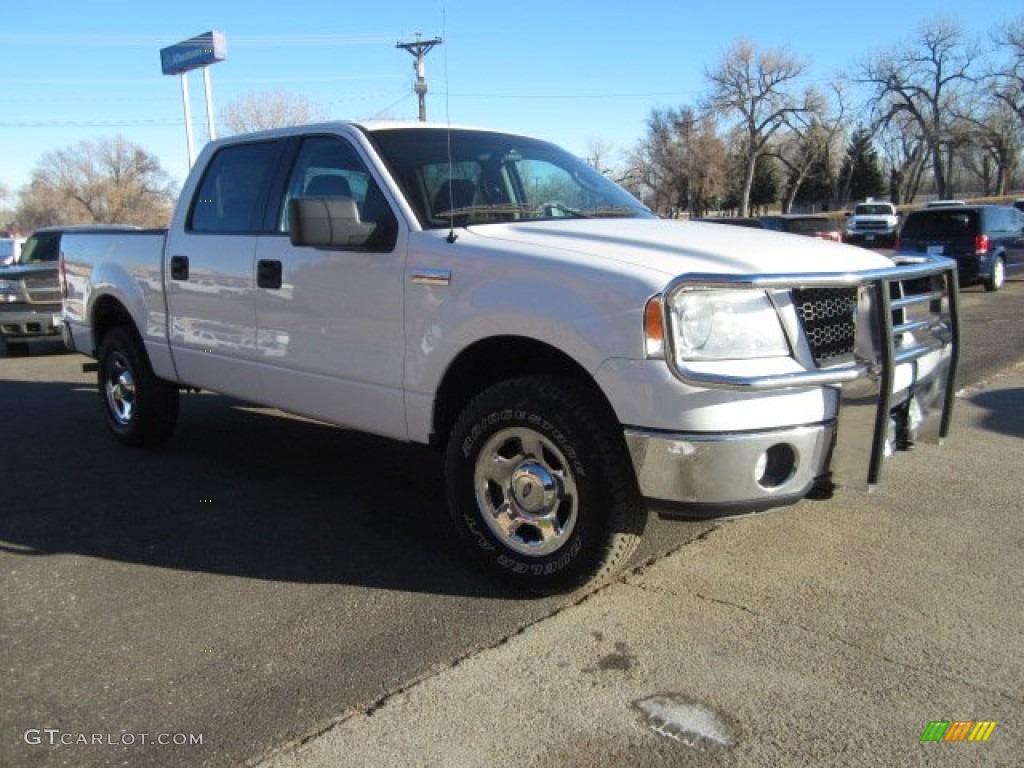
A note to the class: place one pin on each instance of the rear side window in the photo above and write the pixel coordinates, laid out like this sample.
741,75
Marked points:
40,247
942,223
233,188
1005,220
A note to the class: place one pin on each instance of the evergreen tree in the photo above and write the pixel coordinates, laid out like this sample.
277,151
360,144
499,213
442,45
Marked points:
861,177
764,191
815,190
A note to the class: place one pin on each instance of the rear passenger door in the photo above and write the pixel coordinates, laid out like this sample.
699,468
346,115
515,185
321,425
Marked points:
210,274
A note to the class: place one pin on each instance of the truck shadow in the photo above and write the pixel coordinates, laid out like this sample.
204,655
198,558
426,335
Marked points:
37,348
238,490
1005,410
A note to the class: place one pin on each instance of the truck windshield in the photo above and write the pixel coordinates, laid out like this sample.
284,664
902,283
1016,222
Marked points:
873,210
462,177
39,248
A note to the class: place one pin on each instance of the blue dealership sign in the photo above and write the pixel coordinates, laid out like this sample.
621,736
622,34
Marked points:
199,51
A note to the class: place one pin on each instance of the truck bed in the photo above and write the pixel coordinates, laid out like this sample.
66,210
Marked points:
132,263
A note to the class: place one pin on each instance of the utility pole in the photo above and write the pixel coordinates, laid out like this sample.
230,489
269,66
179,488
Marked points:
420,49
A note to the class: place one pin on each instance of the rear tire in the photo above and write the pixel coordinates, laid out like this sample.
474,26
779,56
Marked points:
998,277
540,485
139,408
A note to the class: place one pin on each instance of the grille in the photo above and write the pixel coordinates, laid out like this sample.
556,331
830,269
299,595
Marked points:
43,289
871,225
828,319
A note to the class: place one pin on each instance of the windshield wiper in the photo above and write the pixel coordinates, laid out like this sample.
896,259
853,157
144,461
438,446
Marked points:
552,209
501,209
610,212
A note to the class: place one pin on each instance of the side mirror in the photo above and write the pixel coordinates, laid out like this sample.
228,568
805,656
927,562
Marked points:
326,221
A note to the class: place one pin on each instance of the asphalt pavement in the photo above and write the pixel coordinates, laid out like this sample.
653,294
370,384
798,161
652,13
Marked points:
291,594
829,633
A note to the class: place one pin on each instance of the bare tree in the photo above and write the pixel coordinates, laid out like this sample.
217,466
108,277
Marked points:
707,161
637,175
810,141
6,213
757,87
905,152
925,80
260,110
657,165
105,181
1009,79
598,154
992,136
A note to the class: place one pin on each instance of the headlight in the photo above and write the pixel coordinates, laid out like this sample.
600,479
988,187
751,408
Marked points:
10,291
725,325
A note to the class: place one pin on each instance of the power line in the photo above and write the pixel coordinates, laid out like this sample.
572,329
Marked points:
149,41
149,81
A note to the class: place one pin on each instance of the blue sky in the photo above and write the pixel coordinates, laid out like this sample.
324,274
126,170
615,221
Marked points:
574,73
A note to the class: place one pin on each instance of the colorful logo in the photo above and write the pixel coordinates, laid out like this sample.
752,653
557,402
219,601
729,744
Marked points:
958,730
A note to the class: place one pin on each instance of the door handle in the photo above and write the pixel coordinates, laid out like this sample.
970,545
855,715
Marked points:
179,267
268,274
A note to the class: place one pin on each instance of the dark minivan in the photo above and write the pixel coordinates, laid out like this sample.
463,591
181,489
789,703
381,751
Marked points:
987,241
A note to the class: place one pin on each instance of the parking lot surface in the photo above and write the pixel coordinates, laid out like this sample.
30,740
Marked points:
262,579
826,634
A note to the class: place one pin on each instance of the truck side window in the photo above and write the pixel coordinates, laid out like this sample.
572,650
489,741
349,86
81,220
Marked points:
229,195
329,167
41,247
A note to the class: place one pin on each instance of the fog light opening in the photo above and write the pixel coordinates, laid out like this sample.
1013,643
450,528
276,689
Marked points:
775,466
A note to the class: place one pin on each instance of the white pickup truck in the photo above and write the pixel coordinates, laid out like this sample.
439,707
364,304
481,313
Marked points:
578,360
873,223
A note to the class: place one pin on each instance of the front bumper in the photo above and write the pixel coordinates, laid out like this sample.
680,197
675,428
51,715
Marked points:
741,471
22,324
870,235
896,389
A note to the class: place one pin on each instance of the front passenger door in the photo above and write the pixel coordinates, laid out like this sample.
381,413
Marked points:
330,324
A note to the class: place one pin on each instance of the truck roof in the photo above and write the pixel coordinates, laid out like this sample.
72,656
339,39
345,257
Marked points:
84,228
364,125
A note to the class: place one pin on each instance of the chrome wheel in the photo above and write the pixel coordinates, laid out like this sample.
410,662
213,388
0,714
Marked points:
139,408
120,390
540,486
526,492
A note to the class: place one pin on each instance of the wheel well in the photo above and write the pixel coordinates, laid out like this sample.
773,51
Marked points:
108,313
490,361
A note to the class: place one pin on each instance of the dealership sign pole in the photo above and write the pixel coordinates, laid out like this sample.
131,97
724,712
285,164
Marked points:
180,59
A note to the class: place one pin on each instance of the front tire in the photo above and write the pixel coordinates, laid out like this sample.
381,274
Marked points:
139,408
540,485
998,277
17,348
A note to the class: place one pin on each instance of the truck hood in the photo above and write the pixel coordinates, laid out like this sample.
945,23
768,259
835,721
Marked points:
674,248
18,271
